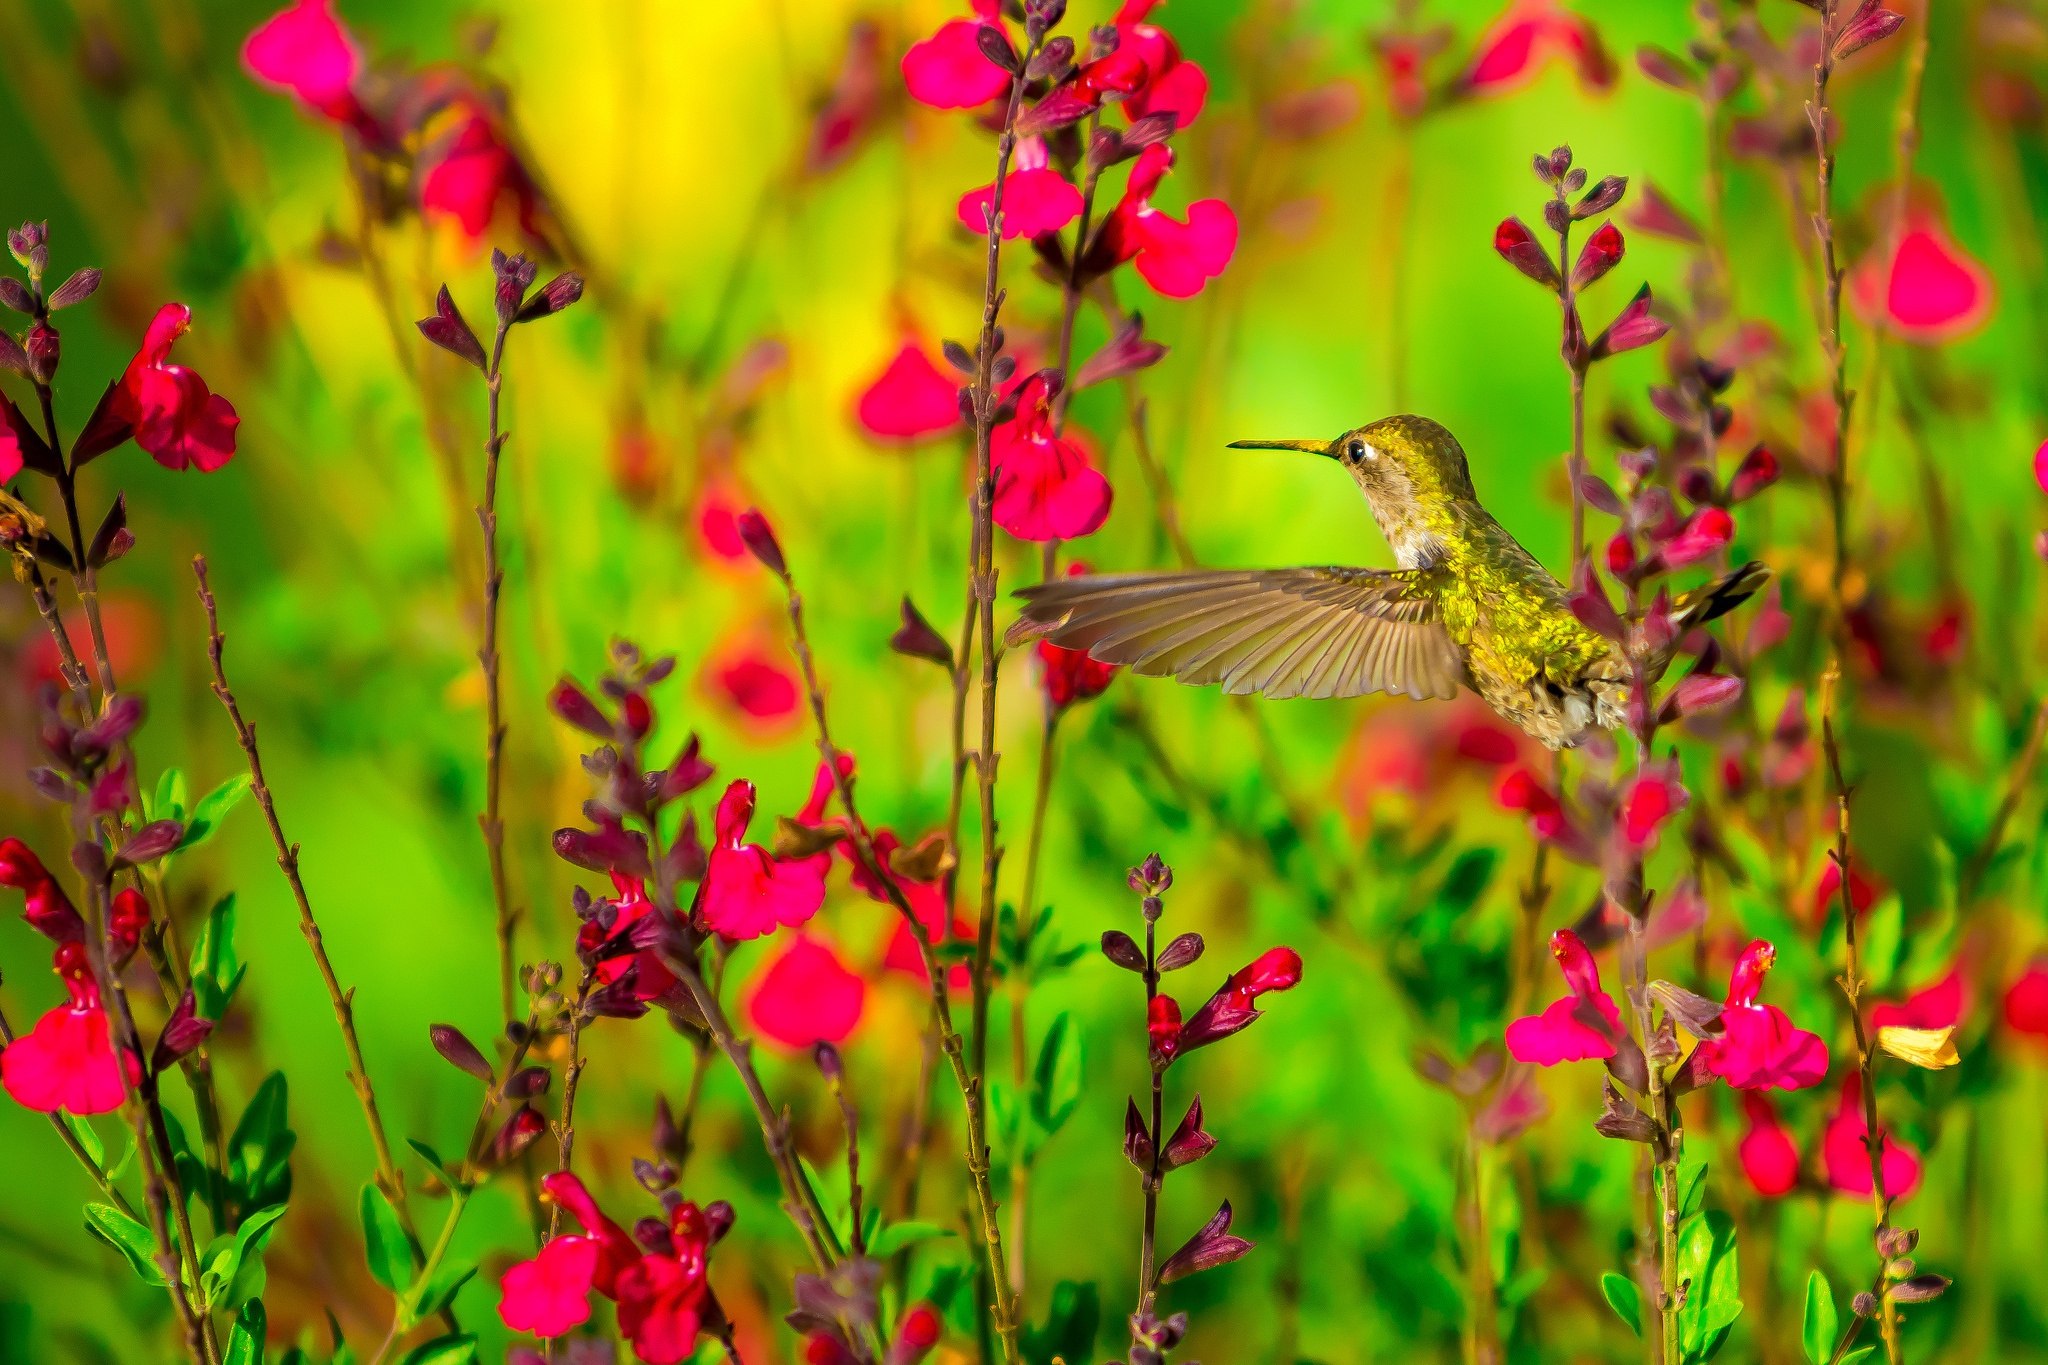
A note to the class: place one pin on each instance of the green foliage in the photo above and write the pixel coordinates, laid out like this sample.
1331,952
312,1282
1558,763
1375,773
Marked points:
1713,1297
245,1340
205,820
216,969
1073,1319
260,1149
129,1237
232,1265
454,1349
384,1241
1818,1325
1624,1298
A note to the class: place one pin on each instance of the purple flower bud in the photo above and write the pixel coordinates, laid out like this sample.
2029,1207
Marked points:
1634,327
1599,494
1869,24
77,289
1212,1246
1189,1143
1921,1288
997,47
759,538
1127,352
1697,693
1666,68
1184,951
1519,248
447,330
150,843
184,1031
1120,948
29,244
518,1134
1658,216
572,704
603,850
45,348
456,1049
15,295
1137,1141
917,638
528,1082
1590,604
515,276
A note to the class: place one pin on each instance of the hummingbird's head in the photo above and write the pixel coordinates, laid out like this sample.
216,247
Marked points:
1409,469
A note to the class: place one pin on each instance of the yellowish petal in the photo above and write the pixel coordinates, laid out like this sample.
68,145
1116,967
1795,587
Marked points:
1933,1048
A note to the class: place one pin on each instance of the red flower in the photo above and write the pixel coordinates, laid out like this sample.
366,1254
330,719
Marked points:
1646,803
1527,37
1704,533
1930,291
1585,1024
753,683
949,71
1865,889
916,1334
1935,1006
1036,199
911,398
660,1303
2026,1001
1166,84
1045,487
806,996
1601,253
1231,1009
47,909
747,892
550,1294
1520,789
1770,1159
1176,258
1163,1027
67,1061
1847,1159
306,52
718,511
468,178
614,950
616,1248
1759,1048
166,408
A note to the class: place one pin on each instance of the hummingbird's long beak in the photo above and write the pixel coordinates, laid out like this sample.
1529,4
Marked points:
1312,447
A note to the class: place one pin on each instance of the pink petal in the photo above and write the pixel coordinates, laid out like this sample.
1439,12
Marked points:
2041,466
807,996
1936,292
1045,488
1034,201
1770,1159
1760,1049
1939,1005
66,1062
911,398
305,50
2026,1001
948,70
1848,1161
1176,258
1182,91
467,181
1559,1034
550,1294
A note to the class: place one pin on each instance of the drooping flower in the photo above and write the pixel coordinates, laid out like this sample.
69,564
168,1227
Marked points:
608,942
1584,1025
47,909
550,1293
1168,83
910,399
1070,675
747,892
807,996
1520,789
1929,291
1769,1157
1232,1009
166,408
1760,1049
306,51
949,70
1045,487
1528,36
465,177
1847,1158
1036,199
1177,258
68,1060
2026,1001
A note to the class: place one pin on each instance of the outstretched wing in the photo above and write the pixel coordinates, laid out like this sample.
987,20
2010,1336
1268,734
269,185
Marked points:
1322,632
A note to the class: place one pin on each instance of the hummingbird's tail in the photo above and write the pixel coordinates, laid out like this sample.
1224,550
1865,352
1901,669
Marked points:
1721,596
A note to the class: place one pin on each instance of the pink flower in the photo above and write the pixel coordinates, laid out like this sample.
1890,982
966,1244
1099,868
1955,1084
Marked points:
1045,487
718,531
1231,1009
748,678
660,1299
1530,35
2041,466
2026,1001
1759,1048
1519,789
1176,258
1865,889
616,1248
67,1061
1770,1159
948,69
1585,1024
1646,803
1930,291
747,892
166,408
807,996
306,52
468,178
614,953
1934,1006
911,398
550,1294
1168,84
1847,1159
1036,199
1703,533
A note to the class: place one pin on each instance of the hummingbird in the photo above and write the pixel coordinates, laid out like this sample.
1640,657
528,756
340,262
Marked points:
1467,607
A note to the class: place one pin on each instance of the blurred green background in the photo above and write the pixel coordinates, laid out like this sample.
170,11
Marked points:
344,554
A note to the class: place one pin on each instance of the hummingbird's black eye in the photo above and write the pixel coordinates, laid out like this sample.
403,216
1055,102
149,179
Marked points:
1355,451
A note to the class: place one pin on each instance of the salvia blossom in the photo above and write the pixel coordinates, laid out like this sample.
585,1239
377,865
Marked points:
1759,1048
1167,83
1528,36
1584,1025
2026,1001
949,70
48,910
806,996
1929,290
1230,1010
747,892
1036,198
467,174
1937,1005
1177,258
910,399
752,682
167,409
1649,800
1769,1156
306,52
68,1060
1045,486
1865,889
1847,1159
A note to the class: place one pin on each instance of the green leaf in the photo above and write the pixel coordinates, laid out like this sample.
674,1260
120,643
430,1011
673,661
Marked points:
211,809
1056,1081
168,803
245,1342
897,1236
1624,1298
82,1130
1713,1298
428,1155
259,1151
1860,1353
1818,1329
449,1350
384,1242
127,1236
216,969
1072,1321
225,1268
442,1289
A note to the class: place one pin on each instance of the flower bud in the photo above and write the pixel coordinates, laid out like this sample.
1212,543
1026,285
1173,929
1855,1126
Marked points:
1601,253
1182,952
557,294
1120,948
1519,248
45,348
456,1049
515,276
759,538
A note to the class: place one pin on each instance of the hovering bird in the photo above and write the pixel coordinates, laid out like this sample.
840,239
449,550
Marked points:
1468,606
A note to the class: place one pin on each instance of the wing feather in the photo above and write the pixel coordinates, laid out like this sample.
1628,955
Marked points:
1312,632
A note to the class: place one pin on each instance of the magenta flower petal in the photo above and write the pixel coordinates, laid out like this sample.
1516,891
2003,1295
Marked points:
550,1294
807,996
1034,201
911,398
1181,90
1769,1157
67,1061
1930,291
949,71
747,892
305,51
1847,1160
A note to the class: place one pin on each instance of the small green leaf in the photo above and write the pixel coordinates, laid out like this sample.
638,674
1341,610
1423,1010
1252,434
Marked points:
168,803
260,1150
1624,1298
245,1342
216,969
384,1242
1819,1327
897,1236
1713,1298
448,1350
127,1236
1882,934
446,1284
1056,1081
1859,1354
243,1253
82,1130
428,1155
211,809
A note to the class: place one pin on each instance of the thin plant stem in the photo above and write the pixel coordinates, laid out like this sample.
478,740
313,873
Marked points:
340,999
492,821
1483,1336
1154,1174
565,1125
1832,347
